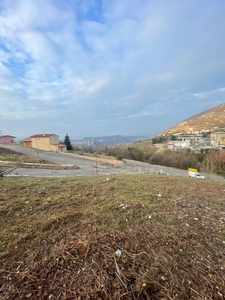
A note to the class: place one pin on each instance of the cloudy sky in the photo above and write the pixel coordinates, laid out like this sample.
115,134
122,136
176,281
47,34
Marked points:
104,67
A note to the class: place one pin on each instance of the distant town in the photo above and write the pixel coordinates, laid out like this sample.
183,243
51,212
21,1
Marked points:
193,140
196,140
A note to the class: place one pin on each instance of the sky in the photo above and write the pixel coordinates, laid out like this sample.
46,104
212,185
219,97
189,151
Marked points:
101,67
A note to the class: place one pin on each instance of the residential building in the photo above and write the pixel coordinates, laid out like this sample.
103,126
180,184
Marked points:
215,143
49,142
58,147
222,141
7,139
26,142
177,145
217,135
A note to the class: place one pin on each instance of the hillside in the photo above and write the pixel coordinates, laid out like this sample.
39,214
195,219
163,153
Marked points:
102,141
210,119
120,237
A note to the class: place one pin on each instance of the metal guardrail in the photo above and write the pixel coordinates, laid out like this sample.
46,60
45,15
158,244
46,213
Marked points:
7,171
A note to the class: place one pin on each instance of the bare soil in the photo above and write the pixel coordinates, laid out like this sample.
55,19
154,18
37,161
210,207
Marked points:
117,237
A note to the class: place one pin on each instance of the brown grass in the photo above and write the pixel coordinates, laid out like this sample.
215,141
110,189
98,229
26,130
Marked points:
59,237
9,157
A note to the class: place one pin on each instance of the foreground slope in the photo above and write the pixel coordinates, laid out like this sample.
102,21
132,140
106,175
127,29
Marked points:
210,119
59,238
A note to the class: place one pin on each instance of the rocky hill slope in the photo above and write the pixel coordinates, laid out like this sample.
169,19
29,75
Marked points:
211,119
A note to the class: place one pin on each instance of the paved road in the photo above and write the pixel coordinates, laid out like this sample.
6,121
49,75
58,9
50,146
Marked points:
88,167
149,168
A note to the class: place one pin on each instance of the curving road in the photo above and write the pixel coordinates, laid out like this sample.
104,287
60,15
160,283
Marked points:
86,166
90,167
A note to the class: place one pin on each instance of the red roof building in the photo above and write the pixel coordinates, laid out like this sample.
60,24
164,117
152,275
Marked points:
7,139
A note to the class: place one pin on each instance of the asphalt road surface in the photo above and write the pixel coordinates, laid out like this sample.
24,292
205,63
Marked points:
90,167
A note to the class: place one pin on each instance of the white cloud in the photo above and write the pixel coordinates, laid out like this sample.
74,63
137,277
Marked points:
200,95
110,60
6,76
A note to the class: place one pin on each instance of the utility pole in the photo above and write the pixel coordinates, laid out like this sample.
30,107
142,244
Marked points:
36,148
1,136
96,144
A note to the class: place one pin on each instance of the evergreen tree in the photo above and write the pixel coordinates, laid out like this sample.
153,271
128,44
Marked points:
67,142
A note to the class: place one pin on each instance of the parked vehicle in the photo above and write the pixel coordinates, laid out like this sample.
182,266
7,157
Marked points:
198,175
195,174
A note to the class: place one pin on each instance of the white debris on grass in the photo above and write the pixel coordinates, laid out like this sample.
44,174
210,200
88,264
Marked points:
82,269
124,206
118,253
148,217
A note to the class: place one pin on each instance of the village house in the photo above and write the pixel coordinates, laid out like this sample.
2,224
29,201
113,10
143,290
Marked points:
222,143
178,145
26,142
215,143
185,141
189,141
7,139
217,135
46,141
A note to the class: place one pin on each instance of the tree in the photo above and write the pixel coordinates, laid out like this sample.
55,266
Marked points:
67,142
173,138
220,162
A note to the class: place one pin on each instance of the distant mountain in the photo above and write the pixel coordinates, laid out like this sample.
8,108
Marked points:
106,140
211,119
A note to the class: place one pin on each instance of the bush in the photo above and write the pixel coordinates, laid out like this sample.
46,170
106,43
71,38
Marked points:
119,157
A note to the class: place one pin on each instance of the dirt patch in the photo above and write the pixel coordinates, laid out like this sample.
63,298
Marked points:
117,237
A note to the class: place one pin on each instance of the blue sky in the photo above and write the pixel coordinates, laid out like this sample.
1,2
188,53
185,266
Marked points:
93,68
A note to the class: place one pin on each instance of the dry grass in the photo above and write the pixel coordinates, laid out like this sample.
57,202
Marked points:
12,158
59,237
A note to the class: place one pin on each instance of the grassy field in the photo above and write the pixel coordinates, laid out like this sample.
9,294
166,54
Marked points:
59,238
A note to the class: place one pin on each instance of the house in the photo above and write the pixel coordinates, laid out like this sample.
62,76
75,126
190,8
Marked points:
26,142
217,135
7,139
47,141
222,141
59,147
215,143
178,145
